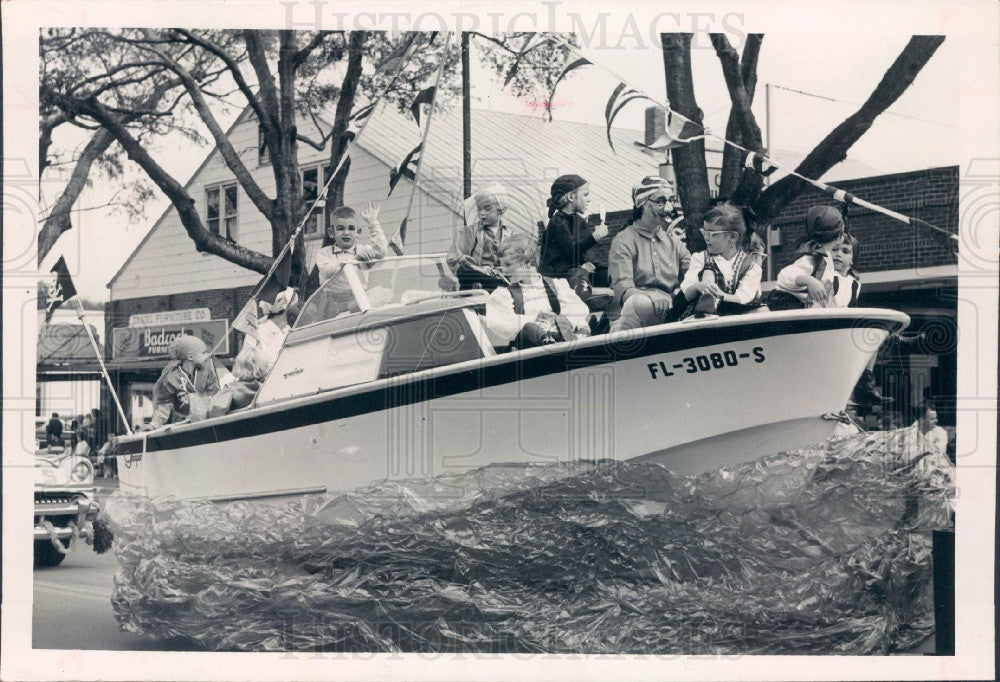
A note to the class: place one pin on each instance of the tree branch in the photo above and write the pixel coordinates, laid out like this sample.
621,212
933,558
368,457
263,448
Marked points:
833,149
204,240
222,142
689,159
302,55
342,115
58,220
233,67
732,158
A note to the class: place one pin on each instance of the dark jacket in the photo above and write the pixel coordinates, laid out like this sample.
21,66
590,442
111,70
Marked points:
564,243
53,432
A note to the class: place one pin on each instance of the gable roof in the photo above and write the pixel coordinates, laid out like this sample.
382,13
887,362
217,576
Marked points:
522,153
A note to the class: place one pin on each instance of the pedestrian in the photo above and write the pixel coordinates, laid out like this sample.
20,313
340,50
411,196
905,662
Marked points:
53,431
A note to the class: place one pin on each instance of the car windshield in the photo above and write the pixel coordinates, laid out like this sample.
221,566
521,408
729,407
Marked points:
388,282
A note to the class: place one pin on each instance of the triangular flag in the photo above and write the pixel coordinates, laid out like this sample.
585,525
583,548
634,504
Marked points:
573,65
404,169
246,320
396,58
679,130
621,96
357,121
60,290
425,96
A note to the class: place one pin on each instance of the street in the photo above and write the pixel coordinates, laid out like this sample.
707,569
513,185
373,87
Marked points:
72,603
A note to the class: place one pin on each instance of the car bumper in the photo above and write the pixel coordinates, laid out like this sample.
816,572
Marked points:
61,513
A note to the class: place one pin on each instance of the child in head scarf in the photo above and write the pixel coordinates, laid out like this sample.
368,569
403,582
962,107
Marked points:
808,280
567,236
191,371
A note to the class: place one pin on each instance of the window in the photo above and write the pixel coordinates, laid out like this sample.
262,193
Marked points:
314,180
221,214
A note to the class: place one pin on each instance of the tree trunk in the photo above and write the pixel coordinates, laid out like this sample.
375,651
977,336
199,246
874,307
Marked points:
688,159
342,117
833,149
732,158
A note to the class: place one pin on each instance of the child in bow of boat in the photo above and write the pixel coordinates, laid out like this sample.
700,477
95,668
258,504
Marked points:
808,280
723,279
845,280
534,310
341,244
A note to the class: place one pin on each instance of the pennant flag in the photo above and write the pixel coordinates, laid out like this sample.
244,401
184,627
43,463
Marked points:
621,96
538,39
357,121
246,320
582,61
424,97
404,168
679,130
396,58
397,246
61,288
760,164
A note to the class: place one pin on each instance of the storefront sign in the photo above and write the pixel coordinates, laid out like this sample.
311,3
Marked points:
138,343
170,317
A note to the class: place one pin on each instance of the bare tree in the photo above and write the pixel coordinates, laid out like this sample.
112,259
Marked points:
745,186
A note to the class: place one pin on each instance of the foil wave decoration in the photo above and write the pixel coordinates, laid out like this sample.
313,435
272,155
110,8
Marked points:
824,551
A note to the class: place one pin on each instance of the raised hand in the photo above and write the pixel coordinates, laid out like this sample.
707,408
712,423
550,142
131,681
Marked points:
370,213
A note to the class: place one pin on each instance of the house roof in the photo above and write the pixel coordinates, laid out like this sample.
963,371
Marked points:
523,153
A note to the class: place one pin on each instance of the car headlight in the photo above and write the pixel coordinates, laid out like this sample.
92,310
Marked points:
83,472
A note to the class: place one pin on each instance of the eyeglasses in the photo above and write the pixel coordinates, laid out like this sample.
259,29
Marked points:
663,201
708,234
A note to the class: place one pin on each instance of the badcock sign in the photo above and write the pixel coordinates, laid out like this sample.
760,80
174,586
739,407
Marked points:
139,343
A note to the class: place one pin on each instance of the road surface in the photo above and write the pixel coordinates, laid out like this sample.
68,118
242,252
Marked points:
72,603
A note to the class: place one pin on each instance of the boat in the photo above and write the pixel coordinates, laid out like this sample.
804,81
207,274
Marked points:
404,381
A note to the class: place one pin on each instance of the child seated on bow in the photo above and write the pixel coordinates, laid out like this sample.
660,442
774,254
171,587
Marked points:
533,310
341,245
723,279
808,280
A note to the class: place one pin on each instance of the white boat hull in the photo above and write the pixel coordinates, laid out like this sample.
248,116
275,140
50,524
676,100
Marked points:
694,396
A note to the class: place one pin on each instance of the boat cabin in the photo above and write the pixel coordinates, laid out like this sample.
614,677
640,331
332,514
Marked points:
379,320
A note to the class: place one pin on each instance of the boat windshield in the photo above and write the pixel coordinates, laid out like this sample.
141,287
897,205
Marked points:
389,282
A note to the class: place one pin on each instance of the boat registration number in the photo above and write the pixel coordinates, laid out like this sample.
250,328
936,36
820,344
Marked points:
705,363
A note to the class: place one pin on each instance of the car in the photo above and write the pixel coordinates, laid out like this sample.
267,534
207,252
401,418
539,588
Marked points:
65,503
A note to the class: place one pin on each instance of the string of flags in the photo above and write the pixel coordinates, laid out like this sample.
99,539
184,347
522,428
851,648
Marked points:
681,130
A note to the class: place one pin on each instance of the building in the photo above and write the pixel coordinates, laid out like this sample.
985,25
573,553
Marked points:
166,287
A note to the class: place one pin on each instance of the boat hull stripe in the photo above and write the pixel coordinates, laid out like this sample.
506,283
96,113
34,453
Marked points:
446,385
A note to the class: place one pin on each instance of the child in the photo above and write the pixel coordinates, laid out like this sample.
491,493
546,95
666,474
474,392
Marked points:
803,283
723,279
845,280
567,236
534,310
340,245
473,256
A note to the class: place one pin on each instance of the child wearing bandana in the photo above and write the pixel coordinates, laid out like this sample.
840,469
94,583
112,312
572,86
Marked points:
568,236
